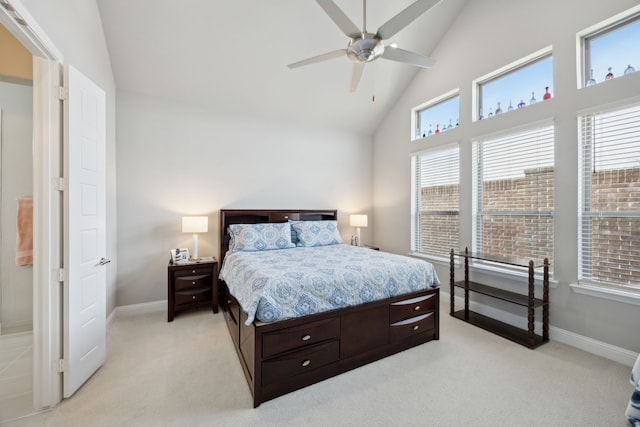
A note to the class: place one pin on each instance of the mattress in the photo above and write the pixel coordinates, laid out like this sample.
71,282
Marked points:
281,284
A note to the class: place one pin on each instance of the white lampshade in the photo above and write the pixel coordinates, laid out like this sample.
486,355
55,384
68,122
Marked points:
358,220
195,224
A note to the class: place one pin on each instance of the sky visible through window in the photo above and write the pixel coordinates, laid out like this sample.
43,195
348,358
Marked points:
524,86
438,118
617,49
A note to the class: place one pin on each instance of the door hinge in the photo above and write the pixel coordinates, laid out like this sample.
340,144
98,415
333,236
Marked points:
61,365
61,275
63,93
61,184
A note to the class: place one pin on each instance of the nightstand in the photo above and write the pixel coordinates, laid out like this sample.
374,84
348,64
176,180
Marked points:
192,285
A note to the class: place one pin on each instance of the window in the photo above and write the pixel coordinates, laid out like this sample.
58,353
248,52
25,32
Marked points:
609,210
513,195
517,85
611,51
439,115
436,202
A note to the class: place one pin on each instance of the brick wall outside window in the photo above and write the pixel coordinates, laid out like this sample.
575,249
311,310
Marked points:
529,237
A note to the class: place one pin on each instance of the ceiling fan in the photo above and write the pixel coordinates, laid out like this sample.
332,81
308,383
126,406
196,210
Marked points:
366,47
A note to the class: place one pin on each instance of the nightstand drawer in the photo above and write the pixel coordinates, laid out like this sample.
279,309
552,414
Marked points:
406,309
197,281
193,296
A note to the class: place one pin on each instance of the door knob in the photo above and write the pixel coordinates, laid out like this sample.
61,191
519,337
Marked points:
104,261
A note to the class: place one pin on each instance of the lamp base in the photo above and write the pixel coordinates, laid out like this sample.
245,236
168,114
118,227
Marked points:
194,255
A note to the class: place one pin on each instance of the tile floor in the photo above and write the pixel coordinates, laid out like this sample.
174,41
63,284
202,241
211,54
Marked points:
16,375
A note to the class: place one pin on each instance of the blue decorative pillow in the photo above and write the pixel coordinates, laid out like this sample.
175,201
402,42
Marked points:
317,233
260,237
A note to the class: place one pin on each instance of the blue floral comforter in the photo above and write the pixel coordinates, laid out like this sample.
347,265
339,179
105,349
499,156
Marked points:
281,284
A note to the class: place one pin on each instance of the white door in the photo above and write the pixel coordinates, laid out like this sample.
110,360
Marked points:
84,229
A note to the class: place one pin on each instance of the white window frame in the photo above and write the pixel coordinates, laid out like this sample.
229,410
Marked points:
477,198
585,286
415,203
415,111
503,71
621,19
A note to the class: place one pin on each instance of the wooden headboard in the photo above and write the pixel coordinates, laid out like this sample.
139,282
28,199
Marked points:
255,216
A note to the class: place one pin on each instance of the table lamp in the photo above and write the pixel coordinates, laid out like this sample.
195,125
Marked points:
195,225
358,221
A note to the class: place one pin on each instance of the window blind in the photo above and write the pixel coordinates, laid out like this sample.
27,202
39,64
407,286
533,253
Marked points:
513,194
609,198
436,202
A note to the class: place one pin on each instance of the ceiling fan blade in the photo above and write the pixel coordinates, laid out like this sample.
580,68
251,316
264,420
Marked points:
356,74
411,58
319,58
404,18
337,15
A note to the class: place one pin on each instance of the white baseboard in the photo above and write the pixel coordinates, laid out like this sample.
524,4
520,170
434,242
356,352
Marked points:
599,348
144,308
136,309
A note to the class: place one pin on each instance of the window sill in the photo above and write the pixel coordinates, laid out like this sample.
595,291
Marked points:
619,295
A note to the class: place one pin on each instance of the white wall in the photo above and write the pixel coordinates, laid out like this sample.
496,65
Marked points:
16,283
486,36
75,28
175,160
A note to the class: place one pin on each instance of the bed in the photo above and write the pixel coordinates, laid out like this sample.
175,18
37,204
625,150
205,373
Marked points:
633,408
293,327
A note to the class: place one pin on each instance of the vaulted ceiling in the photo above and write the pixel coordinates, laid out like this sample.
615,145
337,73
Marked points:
232,55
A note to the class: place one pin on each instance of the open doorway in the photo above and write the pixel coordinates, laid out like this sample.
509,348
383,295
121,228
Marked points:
16,199
45,153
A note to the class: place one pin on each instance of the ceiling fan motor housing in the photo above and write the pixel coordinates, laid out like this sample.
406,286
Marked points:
365,49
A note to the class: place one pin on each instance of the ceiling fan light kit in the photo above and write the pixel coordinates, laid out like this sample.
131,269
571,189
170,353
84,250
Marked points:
365,47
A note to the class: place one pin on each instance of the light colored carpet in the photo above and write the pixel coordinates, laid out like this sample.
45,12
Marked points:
186,373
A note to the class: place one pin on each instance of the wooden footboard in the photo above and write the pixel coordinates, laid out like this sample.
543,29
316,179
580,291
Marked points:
284,356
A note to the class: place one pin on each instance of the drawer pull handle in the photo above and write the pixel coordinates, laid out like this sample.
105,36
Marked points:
306,362
194,297
415,328
193,271
306,338
193,283
416,308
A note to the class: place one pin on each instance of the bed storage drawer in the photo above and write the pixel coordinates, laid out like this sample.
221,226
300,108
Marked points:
413,326
297,336
291,364
405,309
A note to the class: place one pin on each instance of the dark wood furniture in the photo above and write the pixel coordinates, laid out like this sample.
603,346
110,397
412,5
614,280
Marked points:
526,337
280,357
192,285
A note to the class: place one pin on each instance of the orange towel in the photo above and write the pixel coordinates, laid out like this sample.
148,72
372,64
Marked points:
24,234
